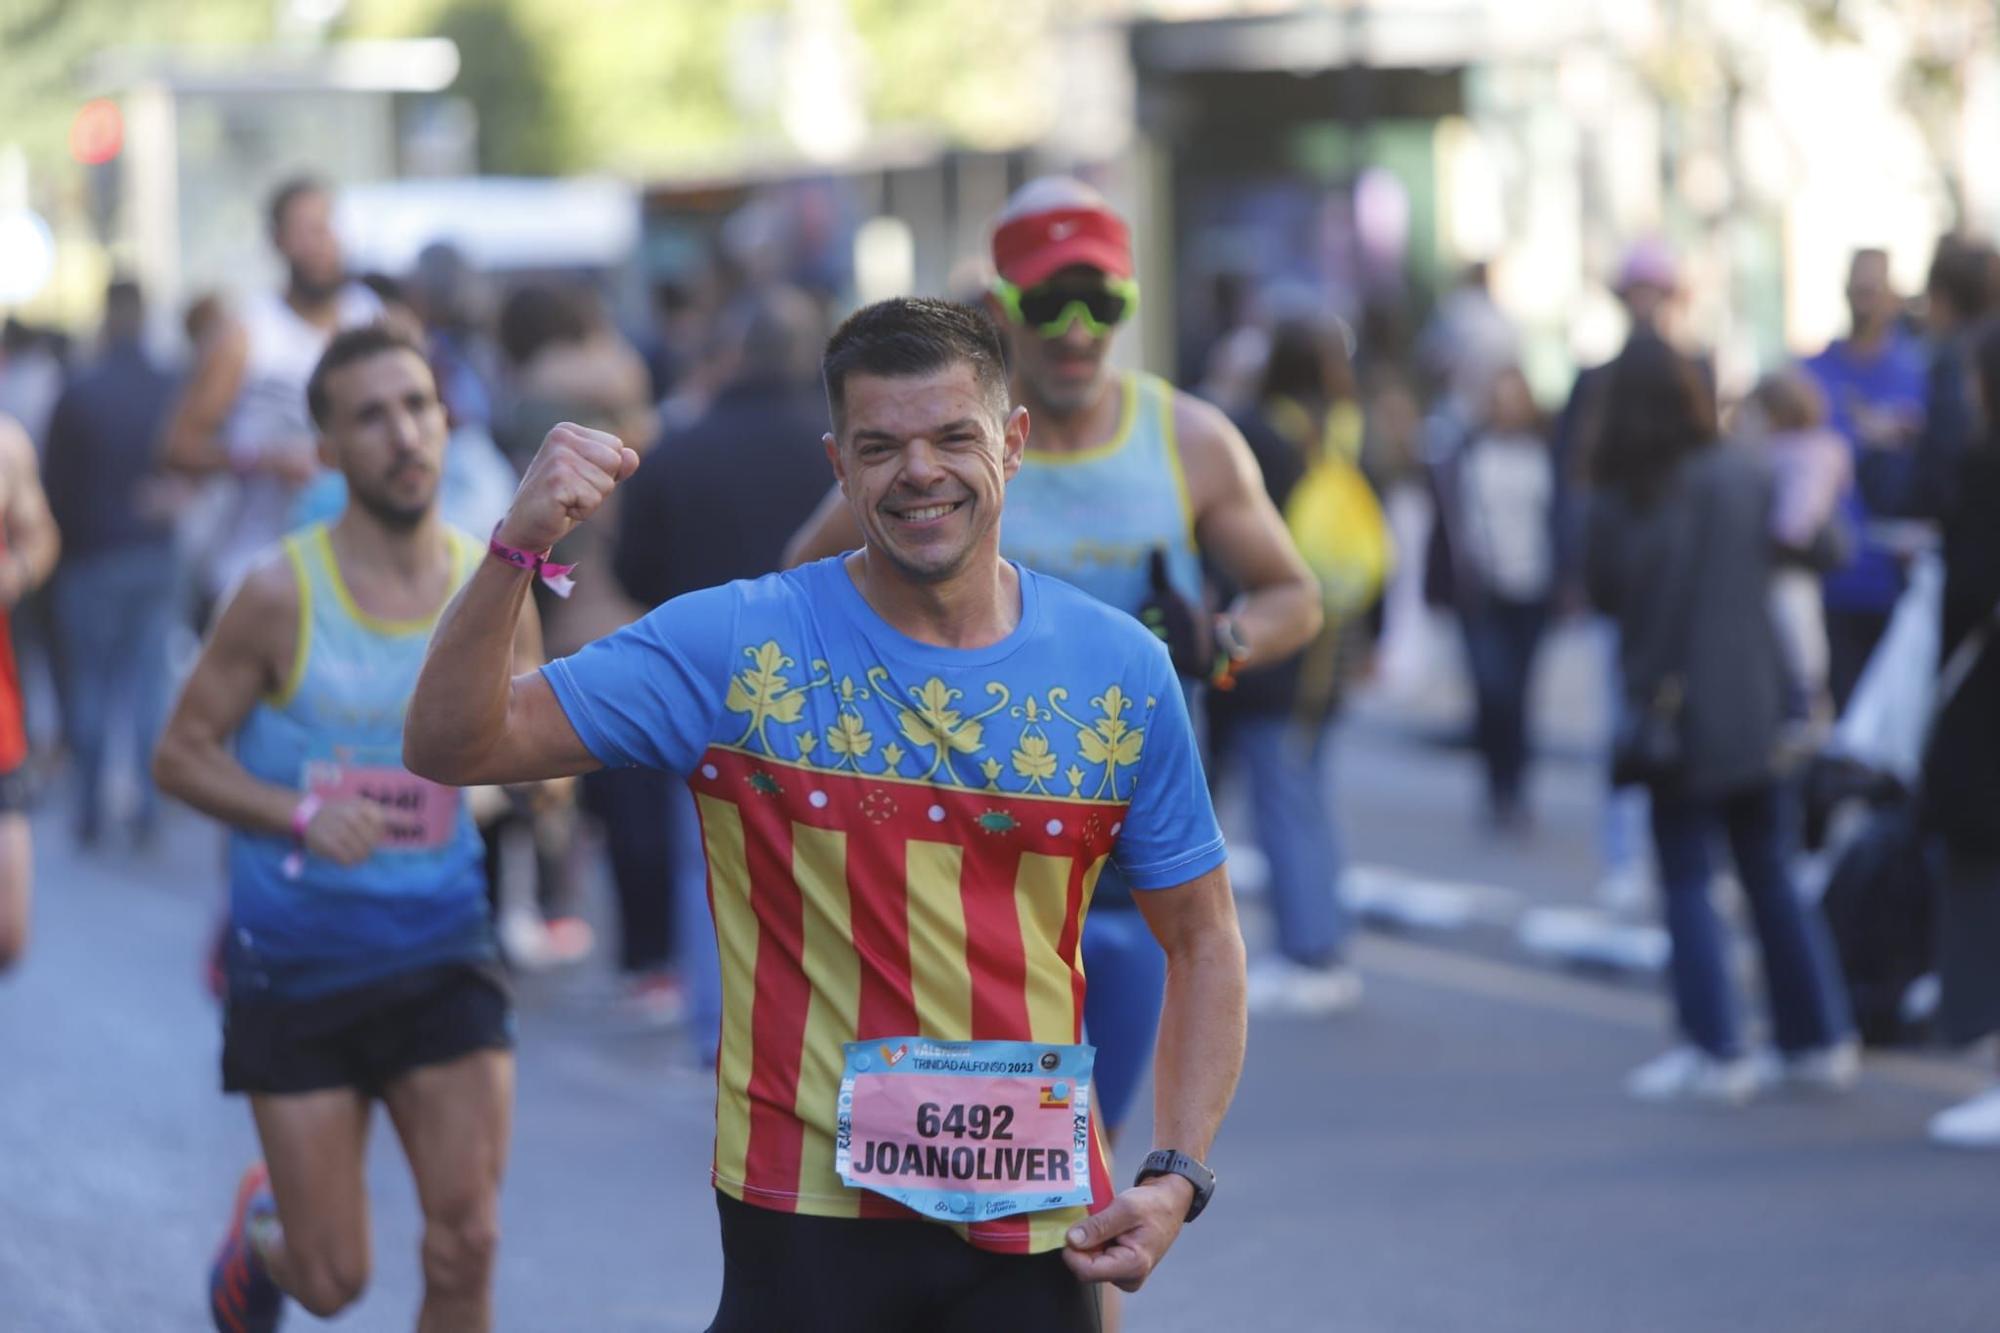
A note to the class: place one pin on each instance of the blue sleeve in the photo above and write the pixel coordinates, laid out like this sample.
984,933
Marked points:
1170,835
649,695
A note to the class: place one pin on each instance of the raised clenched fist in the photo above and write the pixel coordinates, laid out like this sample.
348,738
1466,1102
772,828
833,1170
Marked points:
571,474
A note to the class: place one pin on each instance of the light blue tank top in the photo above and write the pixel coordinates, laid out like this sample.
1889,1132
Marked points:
1092,518
336,727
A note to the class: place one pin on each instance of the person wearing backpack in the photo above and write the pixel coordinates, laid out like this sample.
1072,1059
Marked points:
1678,550
1275,724
1961,800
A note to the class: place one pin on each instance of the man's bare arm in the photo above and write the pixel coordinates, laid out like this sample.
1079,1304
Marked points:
1279,609
830,531
1203,1027
472,721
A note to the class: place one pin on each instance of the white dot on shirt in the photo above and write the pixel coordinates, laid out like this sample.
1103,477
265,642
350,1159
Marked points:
1055,827
708,771
937,814
1116,827
818,800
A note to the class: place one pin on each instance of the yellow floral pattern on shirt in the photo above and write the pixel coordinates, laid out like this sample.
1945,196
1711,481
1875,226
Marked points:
1035,747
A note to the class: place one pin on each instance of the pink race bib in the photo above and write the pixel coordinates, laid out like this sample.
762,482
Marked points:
421,815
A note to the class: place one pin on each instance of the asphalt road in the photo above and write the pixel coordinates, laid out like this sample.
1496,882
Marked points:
1455,1155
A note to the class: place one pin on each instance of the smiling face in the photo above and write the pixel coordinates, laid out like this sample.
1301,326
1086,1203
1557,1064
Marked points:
385,430
924,461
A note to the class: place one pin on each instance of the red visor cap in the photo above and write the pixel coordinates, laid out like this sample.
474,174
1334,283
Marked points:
1030,250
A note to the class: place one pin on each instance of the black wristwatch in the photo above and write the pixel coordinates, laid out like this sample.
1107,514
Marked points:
1167,1162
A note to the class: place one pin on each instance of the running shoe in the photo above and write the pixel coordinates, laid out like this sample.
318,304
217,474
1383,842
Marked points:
1278,986
242,1298
1687,1073
1970,1124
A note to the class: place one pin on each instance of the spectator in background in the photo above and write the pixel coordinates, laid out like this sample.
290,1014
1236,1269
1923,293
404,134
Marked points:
242,414
1873,381
1959,295
1275,727
1678,551
1648,287
1505,578
1813,472
114,594
715,502
564,362
1962,766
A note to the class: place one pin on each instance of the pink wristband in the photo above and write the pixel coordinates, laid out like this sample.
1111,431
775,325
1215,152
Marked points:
302,818
555,576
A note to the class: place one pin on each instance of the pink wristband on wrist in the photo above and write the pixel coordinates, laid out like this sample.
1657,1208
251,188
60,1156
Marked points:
555,576
302,818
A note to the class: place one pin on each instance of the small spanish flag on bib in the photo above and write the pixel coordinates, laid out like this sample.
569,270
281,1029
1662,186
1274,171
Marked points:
1055,1096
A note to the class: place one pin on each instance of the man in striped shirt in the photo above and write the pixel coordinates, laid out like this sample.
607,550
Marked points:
912,763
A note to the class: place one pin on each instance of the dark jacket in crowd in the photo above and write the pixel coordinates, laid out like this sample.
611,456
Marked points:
719,500
103,442
1962,770
1688,579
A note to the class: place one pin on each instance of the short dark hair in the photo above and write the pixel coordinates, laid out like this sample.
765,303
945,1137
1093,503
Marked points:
914,335
348,347
286,194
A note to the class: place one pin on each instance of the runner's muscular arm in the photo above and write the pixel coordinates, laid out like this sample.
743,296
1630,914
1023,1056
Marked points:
1199,1058
249,656
1279,609
472,721
33,544
830,531
193,441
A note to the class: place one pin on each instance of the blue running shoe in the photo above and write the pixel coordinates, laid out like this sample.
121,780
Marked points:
241,1295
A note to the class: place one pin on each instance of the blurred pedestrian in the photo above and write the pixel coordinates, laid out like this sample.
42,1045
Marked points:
243,413
714,502
1647,285
1962,766
1678,550
114,595
1873,382
1813,473
28,548
1960,293
563,362
1505,575
1274,729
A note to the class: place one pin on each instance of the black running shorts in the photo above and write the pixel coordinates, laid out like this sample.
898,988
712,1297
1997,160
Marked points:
368,1037
847,1275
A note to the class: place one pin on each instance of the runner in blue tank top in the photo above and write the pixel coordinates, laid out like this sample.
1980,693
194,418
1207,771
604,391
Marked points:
1125,483
360,961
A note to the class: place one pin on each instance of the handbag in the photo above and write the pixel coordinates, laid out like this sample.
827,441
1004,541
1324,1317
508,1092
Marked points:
1648,739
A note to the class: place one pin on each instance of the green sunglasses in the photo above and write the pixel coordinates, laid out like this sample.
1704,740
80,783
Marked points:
1050,310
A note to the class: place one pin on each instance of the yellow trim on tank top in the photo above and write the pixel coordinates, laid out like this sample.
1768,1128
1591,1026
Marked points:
1128,414
1171,437
323,545
302,636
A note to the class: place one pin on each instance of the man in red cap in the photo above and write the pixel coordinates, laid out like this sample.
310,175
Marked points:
1126,485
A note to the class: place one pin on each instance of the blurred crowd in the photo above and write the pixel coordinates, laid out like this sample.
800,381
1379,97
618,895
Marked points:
1792,585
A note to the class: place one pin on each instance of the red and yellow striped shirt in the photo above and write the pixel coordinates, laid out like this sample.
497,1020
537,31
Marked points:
884,860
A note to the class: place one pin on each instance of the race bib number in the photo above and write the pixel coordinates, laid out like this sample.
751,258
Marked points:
420,815
966,1131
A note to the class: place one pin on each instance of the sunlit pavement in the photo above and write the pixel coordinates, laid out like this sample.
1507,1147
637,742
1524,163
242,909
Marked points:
1454,1155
